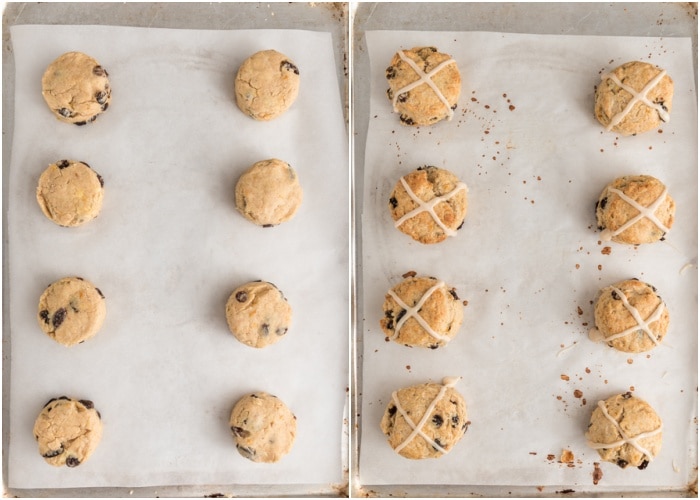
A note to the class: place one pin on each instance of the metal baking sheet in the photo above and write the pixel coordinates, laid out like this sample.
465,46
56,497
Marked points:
168,169
499,142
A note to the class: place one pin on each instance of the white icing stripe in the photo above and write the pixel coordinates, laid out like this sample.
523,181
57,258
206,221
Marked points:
644,212
633,441
429,206
641,323
424,78
637,97
412,312
446,382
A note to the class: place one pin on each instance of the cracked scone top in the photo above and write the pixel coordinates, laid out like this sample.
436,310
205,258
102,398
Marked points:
421,311
635,209
71,310
429,204
633,98
626,431
70,193
68,431
424,85
258,314
630,316
425,420
263,427
76,88
269,193
266,85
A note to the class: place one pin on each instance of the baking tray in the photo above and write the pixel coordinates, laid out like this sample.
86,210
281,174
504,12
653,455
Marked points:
330,21
648,20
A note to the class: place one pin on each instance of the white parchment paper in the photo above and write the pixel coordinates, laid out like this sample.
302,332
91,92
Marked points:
167,250
529,261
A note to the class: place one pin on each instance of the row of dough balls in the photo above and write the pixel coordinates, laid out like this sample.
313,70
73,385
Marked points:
427,420
70,193
69,430
72,310
77,90
425,85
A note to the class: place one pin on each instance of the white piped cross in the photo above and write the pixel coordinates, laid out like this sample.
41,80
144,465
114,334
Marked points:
644,212
412,312
637,97
641,323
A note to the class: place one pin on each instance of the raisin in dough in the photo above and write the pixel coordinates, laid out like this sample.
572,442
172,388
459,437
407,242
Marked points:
269,193
635,209
626,431
426,420
76,88
630,316
70,193
266,85
258,314
633,98
71,310
422,311
429,204
68,431
263,427
424,85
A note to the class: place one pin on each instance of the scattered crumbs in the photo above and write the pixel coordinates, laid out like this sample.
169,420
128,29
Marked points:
408,367
564,377
588,370
578,394
630,361
567,457
600,267
465,303
409,274
579,311
511,107
606,251
533,453
566,491
597,473
583,401
631,388
540,488
578,266
559,398
605,381
602,150
551,457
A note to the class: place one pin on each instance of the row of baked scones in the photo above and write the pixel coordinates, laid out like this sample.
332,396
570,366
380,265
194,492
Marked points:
71,310
430,205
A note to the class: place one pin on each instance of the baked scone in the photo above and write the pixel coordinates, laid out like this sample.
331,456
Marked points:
425,420
633,98
630,316
424,85
269,193
263,427
76,88
70,193
258,314
68,431
422,311
626,431
71,310
429,204
266,85
635,209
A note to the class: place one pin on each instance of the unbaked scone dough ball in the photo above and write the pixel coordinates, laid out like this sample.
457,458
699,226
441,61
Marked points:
71,310
70,193
422,311
424,85
76,88
258,314
429,204
68,431
437,410
630,316
634,98
269,193
626,431
266,85
635,209
263,427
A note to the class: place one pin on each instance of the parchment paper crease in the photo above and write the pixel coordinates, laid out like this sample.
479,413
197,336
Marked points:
529,261
167,250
